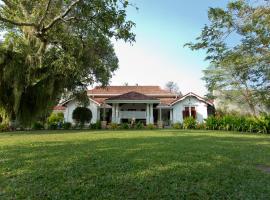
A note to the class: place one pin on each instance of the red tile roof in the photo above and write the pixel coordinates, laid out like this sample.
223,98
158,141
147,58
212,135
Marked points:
167,101
132,96
147,90
59,108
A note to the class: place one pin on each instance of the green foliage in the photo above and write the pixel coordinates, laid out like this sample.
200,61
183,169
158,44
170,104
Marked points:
4,127
82,115
189,123
124,126
55,118
114,126
37,126
200,126
260,124
139,125
177,126
96,125
55,47
67,125
150,126
53,126
239,68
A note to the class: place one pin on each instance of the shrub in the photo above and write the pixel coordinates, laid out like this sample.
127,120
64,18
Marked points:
232,122
124,126
4,127
139,125
55,118
93,126
200,126
211,123
189,123
114,126
96,125
37,126
53,126
150,126
177,126
82,115
67,125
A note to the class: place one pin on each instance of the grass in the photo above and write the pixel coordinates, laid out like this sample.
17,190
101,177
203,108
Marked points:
158,164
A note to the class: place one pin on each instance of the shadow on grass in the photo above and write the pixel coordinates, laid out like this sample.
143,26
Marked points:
179,166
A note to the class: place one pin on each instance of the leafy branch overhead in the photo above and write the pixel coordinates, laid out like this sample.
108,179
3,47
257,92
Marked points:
56,46
237,45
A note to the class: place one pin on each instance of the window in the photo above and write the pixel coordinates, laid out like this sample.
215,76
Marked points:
193,112
186,112
189,111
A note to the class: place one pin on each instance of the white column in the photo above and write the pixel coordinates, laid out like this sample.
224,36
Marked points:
117,120
171,116
113,113
160,114
151,120
190,111
147,114
104,114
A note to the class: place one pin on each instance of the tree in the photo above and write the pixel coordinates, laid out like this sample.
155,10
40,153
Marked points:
173,87
82,115
52,47
237,46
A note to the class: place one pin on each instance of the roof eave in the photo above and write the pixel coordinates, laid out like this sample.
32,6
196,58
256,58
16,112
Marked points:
132,101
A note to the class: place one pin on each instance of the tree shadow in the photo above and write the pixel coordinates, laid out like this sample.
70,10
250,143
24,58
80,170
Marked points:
175,166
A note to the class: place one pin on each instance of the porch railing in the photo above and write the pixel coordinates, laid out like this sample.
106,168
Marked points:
132,114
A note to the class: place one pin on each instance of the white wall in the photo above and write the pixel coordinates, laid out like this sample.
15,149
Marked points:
201,109
70,107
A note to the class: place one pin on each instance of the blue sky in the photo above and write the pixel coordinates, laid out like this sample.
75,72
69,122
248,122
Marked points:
158,55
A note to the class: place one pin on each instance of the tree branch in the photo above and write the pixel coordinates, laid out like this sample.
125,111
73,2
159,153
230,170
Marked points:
16,23
61,16
46,12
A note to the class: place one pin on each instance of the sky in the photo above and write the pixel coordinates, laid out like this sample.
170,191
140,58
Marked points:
158,55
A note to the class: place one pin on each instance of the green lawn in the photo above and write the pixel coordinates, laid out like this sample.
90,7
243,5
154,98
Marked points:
159,164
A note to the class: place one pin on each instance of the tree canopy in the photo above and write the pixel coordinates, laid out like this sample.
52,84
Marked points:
173,88
56,46
237,45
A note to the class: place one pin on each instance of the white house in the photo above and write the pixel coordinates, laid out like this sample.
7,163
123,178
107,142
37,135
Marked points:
148,104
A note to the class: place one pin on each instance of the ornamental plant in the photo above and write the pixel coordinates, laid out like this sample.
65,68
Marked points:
82,115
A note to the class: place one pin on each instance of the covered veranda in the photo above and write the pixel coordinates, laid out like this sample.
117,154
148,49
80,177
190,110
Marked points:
138,107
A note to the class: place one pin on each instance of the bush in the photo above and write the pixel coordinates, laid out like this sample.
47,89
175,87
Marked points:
177,126
114,126
67,125
82,115
4,127
189,123
259,124
37,126
125,126
150,126
53,126
139,125
96,125
200,126
93,126
55,118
